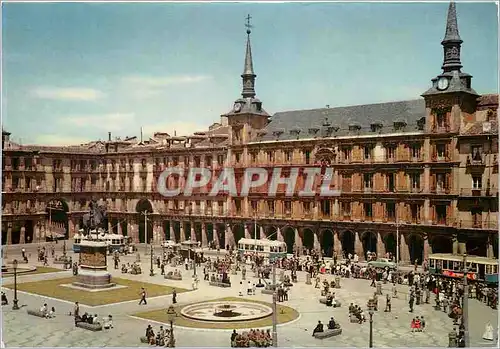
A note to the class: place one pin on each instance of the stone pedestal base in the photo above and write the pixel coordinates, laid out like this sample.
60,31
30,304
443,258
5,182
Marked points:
93,279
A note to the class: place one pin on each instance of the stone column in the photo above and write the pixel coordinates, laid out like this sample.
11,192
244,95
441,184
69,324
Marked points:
9,233
316,245
204,239
279,235
119,228
36,232
216,235
161,232
427,247
130,233
337,244
490,253
228,236
262,234
358,246
22,237
110,226
135,232
247,233
298,241
404,252
455,244
193,233
380,246
171,231
182,233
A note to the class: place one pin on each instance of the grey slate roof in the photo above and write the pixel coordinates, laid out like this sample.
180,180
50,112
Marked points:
351,120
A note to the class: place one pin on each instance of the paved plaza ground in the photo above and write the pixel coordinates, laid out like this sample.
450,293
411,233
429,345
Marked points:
389,329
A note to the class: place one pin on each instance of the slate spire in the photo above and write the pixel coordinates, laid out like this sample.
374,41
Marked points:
248,76
452,42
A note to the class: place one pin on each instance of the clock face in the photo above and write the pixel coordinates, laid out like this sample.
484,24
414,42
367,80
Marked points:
237,107
443,83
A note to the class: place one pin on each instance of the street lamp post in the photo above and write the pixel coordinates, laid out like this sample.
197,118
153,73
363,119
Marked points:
465,304
151,271
194,262
371,306
275,309
16,305
171,314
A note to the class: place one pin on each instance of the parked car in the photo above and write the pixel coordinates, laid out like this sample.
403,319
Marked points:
382,263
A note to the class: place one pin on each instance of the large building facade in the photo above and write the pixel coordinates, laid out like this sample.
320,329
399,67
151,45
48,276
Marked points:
422,172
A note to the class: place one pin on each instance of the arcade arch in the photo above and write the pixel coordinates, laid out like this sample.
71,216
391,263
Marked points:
143,208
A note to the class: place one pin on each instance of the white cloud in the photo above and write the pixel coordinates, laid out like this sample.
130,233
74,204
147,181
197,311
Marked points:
67,93
60,140
108,122
149,81
181,128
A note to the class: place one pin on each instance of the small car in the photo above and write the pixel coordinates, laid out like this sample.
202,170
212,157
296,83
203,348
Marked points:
382,263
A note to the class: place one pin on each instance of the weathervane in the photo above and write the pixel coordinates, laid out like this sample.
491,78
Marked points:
247,24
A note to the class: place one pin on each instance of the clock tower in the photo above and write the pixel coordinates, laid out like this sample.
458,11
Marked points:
247,115
451,97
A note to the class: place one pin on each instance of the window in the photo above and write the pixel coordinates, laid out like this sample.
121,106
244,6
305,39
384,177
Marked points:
220,160
270,206
415,213
441,150
254,206
288,207
307,207
175,160
346,153
237,157
441,118
477,182
415,181
390,210
368,180
308,156
440,181
476,151
391,182
368,152
253,157
325,207
270,157
415,151
441,214
390,152
346,208
368,210
237,206
208,161
197,161
288,156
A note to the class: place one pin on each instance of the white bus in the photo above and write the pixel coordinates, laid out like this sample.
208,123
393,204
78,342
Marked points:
115,241
268,248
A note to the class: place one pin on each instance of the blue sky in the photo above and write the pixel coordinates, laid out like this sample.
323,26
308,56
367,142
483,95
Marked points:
74,71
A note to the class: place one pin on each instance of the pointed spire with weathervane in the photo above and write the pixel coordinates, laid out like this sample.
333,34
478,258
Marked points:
248,75
451,42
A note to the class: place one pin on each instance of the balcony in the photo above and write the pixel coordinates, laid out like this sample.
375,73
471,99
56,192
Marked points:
441,129
416,190
478,223
440,190
475,192
475,161
441,221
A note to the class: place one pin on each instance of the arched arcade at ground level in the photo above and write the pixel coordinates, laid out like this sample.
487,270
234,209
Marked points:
142,224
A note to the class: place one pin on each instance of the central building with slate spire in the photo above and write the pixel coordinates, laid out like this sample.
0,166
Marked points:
417,176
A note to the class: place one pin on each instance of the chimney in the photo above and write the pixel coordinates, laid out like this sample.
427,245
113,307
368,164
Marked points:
109,136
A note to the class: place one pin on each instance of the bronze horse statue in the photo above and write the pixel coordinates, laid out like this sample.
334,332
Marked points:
95,218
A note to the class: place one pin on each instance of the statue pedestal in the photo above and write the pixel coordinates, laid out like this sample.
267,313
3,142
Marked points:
93,273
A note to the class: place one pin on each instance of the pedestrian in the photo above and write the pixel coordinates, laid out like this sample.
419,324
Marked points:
412,300
143,297
174,296
162,268
387,303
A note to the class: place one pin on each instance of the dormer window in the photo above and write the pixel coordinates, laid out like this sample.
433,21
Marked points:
258,106
421,124
354,127
490,115
376,126
277,133
295,131
399,124
313,130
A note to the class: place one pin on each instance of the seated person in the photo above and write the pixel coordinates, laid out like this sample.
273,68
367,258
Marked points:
44,309
332,324
51,313
4,299
233,338
318,328
84,317
90,319
329,300
96,319
351,308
